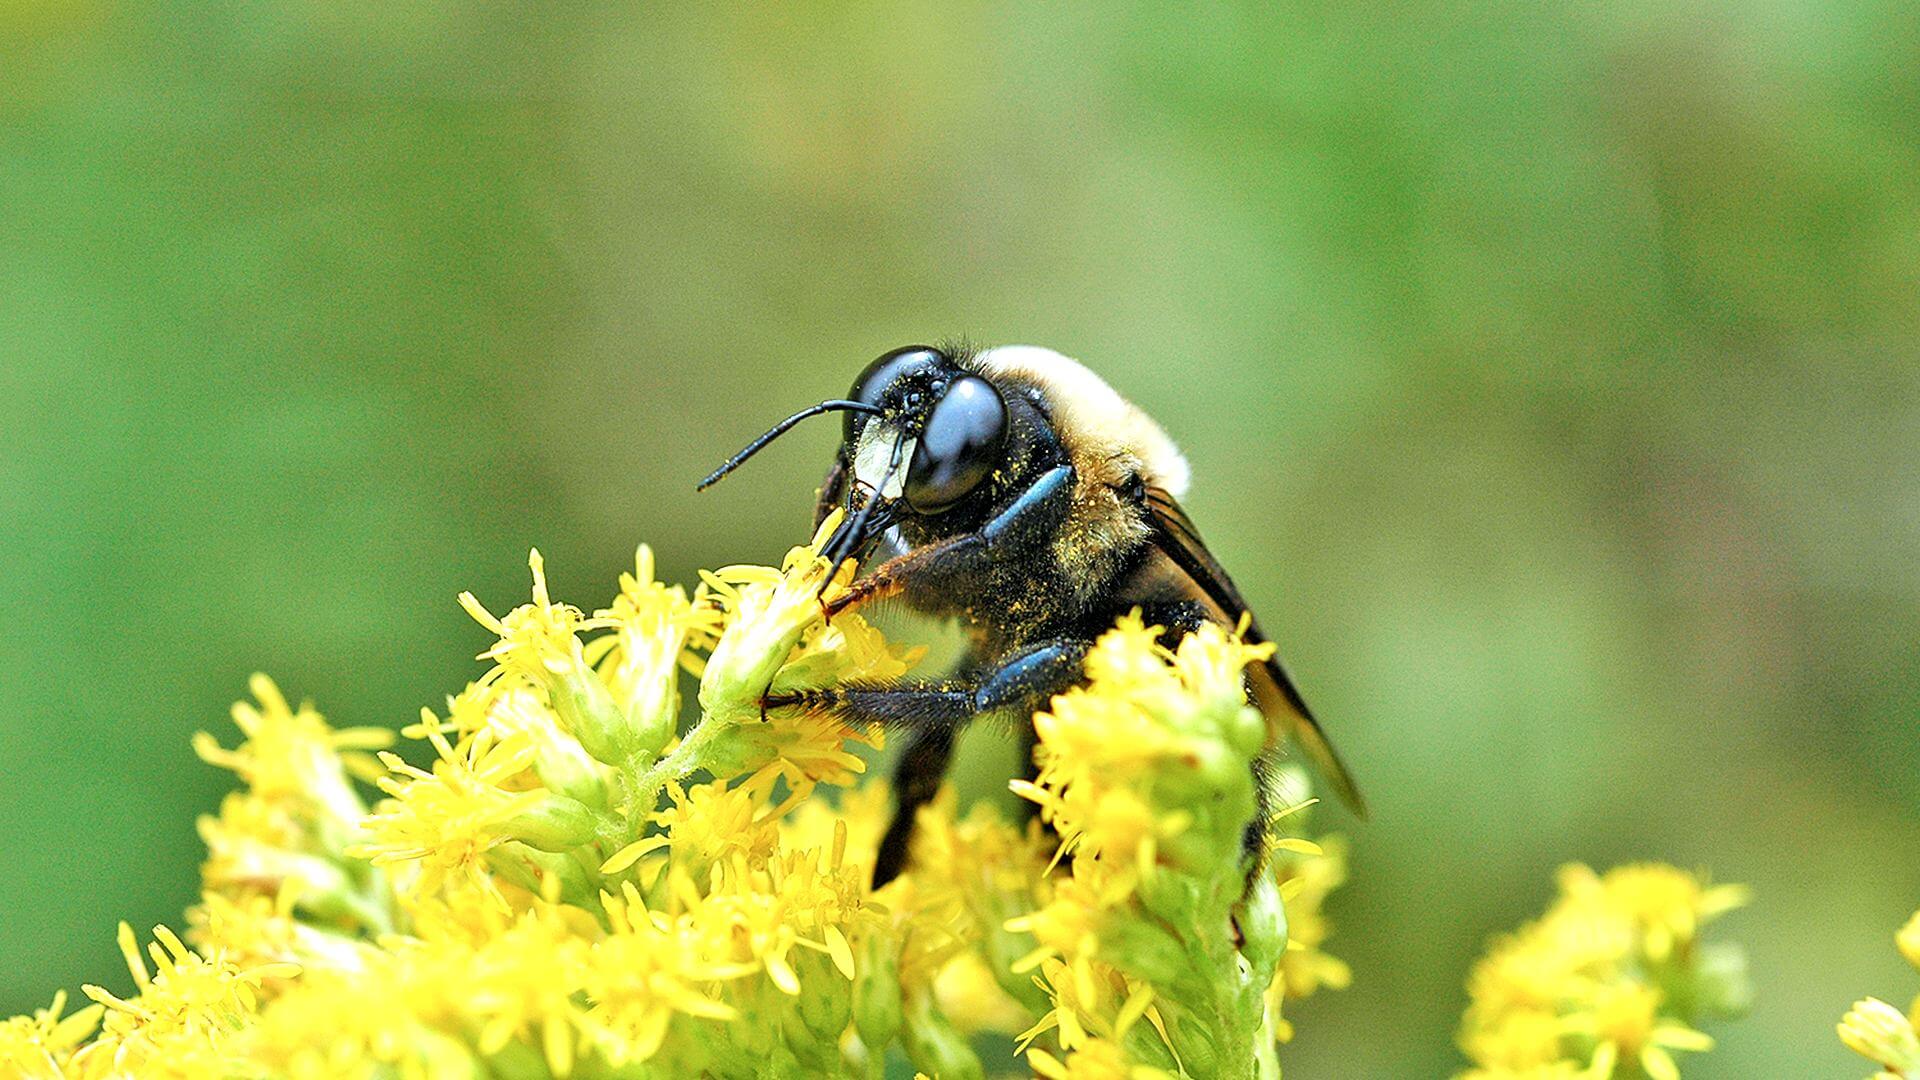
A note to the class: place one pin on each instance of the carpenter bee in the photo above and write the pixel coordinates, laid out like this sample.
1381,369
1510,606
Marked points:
1018,494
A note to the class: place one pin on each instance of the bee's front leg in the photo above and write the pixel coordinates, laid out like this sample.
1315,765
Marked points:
936,568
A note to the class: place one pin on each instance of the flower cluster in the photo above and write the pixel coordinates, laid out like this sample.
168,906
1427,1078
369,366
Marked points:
1882,1033
1162,944
1608,983
560,885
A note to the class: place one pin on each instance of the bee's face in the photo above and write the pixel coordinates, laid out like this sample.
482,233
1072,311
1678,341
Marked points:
951,427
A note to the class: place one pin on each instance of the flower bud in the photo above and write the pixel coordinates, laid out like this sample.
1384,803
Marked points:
1881,1033
555,823
1909,940
935,1046
826,1006
876,992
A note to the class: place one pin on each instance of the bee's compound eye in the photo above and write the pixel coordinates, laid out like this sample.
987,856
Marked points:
960,446
890,368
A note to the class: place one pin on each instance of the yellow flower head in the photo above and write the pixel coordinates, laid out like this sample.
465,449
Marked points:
536,638
1666,905
446,820
38,1047
182,1012
766,611
257,845
1585,985
1882,1034
1909,940
540,644
568,891
654,625
292,756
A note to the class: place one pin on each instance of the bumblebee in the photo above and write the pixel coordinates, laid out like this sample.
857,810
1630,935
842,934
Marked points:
1014,491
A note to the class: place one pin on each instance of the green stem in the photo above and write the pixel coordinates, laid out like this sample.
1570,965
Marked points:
680,761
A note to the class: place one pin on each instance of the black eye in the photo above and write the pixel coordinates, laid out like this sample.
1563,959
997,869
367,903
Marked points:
960,446
872,384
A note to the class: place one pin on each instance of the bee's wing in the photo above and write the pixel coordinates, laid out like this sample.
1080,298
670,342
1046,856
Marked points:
1273,691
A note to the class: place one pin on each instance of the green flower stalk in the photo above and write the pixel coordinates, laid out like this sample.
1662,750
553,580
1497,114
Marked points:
1155,948
567,889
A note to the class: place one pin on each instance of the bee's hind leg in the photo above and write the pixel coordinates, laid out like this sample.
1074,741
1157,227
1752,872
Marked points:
916,780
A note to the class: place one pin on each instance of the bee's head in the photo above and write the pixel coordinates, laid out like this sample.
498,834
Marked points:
922,434
934,434
923,439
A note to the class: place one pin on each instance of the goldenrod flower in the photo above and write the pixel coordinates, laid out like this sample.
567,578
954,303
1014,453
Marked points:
540,644
569,890
1146,772
654,625
1882,1033
1609,982
293,756
445,821
40,1046
182,1014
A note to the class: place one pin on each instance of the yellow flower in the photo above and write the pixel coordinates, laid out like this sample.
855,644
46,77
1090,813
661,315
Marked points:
257,929
648,970
178,1021
536,638
529,905
292,756
1882,1034
448,819
254,845
1146,773
1909,940
540,644
653,625
1625,1022
1096,1059
767,611
522,984
1585,986
380,1020
38,1047
1665,904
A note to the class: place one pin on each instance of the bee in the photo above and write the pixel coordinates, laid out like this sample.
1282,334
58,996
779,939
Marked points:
1015,492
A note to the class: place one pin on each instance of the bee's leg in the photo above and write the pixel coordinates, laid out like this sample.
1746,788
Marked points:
1253,843
832,490
916,780
1179,617
933,713
937,570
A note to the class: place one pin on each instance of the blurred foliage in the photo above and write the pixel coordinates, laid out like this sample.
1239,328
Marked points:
1548,371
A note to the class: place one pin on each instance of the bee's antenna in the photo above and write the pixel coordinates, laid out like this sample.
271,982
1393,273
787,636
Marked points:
780,429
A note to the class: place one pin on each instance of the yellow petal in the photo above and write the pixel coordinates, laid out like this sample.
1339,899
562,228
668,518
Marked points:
1046,1065
841,952
631,854
1659,1064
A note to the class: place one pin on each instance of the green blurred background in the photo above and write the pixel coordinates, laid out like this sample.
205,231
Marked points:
1549,372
